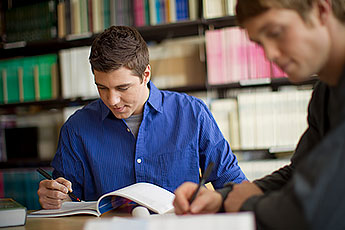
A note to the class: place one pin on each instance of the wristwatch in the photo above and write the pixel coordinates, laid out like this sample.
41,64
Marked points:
224,193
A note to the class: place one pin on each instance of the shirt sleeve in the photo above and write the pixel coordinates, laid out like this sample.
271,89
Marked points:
277,210
313,197
214,147
319,182
67,162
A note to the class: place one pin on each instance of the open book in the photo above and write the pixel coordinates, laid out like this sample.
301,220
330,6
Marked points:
153,197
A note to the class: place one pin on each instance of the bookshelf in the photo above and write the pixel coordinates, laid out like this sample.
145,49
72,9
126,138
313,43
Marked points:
157,33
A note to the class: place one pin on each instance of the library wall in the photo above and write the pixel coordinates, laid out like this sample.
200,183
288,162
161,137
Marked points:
194,47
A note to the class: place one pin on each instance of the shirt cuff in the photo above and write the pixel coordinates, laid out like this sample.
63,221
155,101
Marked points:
250,203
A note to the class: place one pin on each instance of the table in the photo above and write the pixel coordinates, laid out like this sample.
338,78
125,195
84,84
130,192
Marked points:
61,223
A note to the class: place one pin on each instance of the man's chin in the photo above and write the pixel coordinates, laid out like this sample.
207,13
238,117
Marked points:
296,79
121,115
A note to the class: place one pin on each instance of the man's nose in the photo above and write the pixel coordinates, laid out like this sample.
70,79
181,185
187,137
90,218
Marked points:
113,97
271,51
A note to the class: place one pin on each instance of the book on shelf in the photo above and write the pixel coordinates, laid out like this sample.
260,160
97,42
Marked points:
31,22
213,8
29,79
11,213
225,113
21,185
153,197
232,57
270,119
176,63
141,12
76,71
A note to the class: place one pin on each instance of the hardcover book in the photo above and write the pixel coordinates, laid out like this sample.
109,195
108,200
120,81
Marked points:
156,199
11,213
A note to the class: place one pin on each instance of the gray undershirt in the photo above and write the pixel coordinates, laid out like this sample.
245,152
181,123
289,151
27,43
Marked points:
133,123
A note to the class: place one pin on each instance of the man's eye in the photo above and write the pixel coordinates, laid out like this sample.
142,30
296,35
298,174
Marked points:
123,88
274,33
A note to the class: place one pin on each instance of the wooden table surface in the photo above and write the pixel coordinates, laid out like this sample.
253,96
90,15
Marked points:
60,223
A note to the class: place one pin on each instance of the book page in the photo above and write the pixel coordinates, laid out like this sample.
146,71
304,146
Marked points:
151,196
68,208
230,221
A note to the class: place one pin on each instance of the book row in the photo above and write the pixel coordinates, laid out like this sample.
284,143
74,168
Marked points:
31,22
174,63
232,57
262,120
73,19
29,79
21,185
252,120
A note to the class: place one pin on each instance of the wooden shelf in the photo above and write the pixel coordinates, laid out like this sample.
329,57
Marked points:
264,82
155,33
150,33
27,163
48,104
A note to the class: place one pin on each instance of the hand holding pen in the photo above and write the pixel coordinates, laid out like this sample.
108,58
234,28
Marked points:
52,193
202,181
192,198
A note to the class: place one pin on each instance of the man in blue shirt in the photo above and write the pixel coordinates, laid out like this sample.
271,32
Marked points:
135,132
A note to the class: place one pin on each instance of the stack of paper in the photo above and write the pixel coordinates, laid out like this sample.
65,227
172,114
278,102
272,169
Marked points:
236,221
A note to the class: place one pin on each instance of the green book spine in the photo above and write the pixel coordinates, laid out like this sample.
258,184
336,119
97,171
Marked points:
13,186
106,14
44,75
147,12
2,68
47,72
28,79
12,81
32,181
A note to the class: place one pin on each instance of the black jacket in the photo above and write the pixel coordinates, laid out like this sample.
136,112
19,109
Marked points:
310,192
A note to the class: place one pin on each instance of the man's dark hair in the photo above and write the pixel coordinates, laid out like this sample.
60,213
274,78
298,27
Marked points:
246,9
119,46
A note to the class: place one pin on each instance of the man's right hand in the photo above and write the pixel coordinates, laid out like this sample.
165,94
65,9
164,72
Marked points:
206,201
52,193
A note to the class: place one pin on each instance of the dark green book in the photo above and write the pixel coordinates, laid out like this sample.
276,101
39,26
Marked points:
12,81
2,67
46,63
28,78
11,213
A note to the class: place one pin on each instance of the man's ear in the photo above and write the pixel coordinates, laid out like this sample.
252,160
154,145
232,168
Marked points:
147,74
324,9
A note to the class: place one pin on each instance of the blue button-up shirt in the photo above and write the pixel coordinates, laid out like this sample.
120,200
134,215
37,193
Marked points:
178,135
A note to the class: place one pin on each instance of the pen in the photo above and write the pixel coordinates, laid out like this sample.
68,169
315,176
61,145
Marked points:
203,180
49,177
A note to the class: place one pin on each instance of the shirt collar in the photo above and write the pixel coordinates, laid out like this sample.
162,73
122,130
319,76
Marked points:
155,101
105,110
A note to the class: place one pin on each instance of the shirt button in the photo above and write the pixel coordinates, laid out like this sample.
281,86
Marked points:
138,160
128,130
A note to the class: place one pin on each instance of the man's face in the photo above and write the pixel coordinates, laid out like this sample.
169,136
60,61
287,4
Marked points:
300,48
122,92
